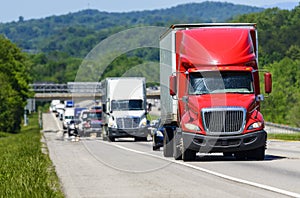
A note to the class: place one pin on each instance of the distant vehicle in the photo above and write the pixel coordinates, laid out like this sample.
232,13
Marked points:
210,91
53,104
82,119
60,110
68,116
77,111
96,108
69,103
124,108
90,122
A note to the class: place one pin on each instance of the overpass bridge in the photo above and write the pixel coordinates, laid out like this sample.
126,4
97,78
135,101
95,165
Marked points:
75,90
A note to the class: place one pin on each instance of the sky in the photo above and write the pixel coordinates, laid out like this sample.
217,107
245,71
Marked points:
11,10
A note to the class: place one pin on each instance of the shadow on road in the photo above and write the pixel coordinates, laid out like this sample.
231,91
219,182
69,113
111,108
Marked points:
214,158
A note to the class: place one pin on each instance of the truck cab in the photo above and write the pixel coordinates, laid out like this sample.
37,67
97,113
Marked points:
211,92
124,108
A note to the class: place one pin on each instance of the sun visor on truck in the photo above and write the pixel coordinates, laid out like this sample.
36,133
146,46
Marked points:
215,46
123,88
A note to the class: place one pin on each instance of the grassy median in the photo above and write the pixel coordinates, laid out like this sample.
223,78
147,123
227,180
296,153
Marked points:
285,136
24,170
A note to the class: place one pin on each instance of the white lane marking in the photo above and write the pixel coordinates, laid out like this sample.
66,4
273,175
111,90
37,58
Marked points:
227,177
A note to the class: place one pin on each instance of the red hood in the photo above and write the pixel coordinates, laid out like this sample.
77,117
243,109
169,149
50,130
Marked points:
221,100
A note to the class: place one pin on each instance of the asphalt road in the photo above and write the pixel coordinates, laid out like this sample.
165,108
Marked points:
95,168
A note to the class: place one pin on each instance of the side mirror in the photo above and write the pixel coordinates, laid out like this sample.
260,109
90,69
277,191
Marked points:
149,107
268,82
104,108
173,85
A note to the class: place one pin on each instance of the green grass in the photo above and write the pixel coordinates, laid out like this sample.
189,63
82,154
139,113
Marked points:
24,170
285,136
152,117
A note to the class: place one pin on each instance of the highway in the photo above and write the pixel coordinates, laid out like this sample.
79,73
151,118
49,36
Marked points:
96,168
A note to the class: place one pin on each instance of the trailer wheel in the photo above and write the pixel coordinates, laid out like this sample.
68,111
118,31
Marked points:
168,146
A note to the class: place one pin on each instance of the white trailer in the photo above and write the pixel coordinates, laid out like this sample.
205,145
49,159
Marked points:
124,108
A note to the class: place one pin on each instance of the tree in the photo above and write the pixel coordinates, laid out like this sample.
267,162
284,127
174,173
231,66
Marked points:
14,90
282,106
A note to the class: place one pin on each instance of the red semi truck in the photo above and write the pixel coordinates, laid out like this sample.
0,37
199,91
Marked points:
210,91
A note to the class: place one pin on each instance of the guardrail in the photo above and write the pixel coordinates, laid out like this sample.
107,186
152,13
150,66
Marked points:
280,128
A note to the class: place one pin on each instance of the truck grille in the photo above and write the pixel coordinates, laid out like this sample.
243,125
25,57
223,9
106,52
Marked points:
128,123
222,121
96,125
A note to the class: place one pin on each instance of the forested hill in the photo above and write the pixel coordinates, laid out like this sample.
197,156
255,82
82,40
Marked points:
45,34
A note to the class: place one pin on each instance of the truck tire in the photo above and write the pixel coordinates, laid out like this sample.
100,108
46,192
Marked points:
227,154
168,145
241,155
140,139
155,148
110,137
257,154
178,145
104,133
187,154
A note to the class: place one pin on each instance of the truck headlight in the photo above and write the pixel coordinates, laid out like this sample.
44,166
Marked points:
112,124
159,133
143,122
192,127
255,125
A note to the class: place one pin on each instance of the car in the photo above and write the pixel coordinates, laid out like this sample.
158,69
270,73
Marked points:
157,131
90,122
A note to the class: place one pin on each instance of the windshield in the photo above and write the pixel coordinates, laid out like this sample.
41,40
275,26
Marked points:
220,82
95,115
123,105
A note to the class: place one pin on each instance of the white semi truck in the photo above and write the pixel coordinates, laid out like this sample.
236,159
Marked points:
124,108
